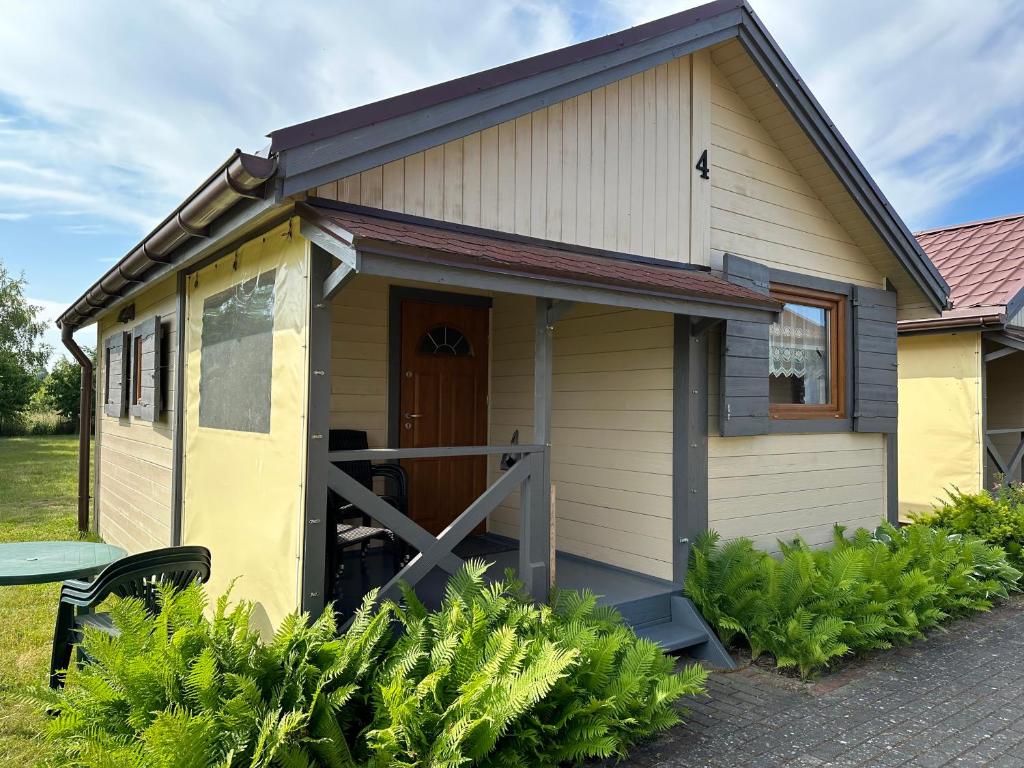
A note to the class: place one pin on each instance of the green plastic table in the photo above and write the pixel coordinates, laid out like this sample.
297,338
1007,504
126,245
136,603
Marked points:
40,562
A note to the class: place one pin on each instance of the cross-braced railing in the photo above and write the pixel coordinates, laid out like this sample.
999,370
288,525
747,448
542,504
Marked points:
1006,469
436,551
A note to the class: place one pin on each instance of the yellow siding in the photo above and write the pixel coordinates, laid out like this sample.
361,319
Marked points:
610,168
611,428
940,443
772,487
134,457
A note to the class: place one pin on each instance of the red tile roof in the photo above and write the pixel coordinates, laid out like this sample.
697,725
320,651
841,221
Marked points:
983,262
498,251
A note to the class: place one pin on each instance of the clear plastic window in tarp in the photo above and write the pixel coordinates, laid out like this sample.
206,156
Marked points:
237,356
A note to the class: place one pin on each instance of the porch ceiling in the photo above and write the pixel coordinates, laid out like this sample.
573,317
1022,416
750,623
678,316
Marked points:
412,247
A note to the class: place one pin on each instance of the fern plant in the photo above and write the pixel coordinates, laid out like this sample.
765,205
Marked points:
491,680
181,690
869,591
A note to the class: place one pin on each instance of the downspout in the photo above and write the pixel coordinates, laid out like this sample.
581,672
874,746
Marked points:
84,425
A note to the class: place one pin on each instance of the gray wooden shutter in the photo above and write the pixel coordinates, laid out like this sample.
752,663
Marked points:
744,365
147,406
874,360
117,347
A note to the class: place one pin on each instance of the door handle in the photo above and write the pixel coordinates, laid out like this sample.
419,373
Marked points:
413,416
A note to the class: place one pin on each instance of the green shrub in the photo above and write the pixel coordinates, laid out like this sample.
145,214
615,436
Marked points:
492,680
872,590
996,517
489,679
183,690
31,423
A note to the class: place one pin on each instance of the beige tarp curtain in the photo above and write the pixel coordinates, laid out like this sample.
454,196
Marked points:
245,415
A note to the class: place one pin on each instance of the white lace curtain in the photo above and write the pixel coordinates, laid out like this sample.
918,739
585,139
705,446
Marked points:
799,347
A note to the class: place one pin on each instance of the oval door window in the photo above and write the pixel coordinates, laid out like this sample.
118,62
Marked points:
445,341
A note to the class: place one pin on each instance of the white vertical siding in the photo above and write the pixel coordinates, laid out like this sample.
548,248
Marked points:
610,168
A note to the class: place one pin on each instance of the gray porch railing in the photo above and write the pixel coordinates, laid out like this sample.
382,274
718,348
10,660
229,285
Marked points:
1006,468
527,474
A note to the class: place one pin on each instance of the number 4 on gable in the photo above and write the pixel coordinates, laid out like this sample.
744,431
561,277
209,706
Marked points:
702,165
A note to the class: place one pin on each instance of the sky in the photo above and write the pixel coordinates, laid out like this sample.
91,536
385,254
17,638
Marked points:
111,112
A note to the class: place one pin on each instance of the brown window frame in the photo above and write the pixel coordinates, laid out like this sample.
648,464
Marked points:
835,305
136,369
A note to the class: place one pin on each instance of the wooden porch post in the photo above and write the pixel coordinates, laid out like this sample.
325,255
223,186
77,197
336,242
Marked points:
318,417
535,498
689,440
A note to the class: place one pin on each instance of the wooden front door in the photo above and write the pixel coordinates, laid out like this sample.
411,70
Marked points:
443,403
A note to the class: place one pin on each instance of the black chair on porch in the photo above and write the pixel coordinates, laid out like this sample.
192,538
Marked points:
350,525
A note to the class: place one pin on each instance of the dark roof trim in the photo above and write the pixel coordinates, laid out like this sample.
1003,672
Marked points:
514,72
946,323
1015,305
481,101
827,139
985,318
241,176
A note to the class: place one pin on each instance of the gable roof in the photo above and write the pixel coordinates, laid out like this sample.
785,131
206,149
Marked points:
425,98
323,150
982,261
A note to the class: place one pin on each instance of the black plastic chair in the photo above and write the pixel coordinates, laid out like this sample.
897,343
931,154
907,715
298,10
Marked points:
352,526
133,576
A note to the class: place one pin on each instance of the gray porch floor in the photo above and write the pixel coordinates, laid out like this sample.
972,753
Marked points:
641,599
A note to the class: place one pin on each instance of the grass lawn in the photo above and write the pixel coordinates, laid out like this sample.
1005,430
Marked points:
38,479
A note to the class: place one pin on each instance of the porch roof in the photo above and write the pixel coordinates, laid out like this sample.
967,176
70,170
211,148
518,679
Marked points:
441,243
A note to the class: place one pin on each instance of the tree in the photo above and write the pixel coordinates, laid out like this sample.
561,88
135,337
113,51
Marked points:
62,388
23,355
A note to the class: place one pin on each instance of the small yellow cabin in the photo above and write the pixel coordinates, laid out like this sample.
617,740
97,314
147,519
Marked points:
961,404
564,315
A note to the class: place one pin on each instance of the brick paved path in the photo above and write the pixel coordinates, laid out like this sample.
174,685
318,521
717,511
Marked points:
956,699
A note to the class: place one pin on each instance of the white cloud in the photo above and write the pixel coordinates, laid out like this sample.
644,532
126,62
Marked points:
927,92
49,311
115,111
13,216
111,112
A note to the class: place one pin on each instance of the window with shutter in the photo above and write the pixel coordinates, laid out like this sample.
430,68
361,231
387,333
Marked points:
145,389
807,355
116,354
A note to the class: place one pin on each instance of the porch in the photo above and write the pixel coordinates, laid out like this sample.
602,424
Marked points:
603,384
1002,406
